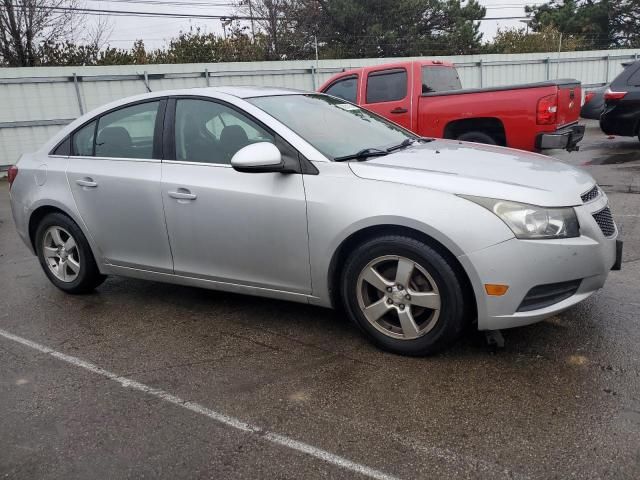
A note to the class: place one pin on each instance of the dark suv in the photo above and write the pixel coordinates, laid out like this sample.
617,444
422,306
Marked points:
621,114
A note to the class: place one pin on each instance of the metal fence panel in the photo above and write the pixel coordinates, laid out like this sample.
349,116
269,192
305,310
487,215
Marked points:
36,102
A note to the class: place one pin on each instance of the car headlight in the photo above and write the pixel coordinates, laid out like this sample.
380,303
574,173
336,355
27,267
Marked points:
532,222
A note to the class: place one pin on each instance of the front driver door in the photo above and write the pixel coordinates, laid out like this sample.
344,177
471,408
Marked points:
227,226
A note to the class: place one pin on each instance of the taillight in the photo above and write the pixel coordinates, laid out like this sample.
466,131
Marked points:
588,97
611,95
547,110
12,173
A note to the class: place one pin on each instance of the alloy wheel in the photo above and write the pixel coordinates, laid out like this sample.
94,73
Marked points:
61,254
398,297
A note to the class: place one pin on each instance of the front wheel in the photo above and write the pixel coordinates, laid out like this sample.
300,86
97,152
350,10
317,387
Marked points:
65,255
404,295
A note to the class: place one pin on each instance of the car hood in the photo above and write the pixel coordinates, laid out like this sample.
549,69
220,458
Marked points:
483,170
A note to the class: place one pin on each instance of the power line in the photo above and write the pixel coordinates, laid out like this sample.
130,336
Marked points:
132,13
170,3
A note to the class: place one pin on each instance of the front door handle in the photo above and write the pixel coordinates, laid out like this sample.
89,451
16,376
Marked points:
86,182
399,110
183,194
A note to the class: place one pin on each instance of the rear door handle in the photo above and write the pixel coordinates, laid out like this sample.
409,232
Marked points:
399,110
86,182
183,194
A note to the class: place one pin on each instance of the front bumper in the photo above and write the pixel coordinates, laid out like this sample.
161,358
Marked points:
565,138
525,264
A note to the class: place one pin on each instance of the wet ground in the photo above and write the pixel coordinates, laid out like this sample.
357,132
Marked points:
562,400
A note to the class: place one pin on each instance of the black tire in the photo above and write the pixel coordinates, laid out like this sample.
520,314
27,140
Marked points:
88,277
451,320
478,137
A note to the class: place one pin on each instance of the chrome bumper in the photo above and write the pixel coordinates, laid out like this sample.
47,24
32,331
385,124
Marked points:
566,138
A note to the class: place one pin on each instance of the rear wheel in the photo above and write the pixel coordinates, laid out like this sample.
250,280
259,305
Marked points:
65,255
478,137
404,295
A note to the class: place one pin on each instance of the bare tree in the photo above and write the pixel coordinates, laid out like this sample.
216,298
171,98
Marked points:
99,33
25,24
273,19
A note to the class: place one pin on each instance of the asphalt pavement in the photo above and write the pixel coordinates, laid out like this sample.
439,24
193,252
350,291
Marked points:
148,380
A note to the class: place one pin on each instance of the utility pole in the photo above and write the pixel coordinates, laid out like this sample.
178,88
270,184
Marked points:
315,40
253,31
559,50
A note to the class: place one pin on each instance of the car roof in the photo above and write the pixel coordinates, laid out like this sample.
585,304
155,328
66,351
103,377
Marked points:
248,92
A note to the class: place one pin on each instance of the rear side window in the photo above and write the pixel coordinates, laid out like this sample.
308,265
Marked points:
83,140
128,132
439,79
387,85
345,88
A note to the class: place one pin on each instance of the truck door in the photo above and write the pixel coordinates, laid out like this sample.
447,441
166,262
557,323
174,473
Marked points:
387,93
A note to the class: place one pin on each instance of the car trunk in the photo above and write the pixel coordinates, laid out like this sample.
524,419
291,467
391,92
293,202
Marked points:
569,100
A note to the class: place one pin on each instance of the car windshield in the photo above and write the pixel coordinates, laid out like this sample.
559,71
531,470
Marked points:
334,127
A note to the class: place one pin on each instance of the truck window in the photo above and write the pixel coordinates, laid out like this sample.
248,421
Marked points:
345,88
387,85
439,79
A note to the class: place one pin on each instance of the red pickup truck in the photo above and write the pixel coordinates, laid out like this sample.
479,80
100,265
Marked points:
426,97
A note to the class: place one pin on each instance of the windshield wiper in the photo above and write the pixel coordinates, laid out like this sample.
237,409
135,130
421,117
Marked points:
362,155
405,143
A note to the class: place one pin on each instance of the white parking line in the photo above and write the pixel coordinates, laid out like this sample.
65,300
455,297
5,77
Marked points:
202,410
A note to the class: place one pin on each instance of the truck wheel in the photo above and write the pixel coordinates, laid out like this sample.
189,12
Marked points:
477,137
404,295
65,255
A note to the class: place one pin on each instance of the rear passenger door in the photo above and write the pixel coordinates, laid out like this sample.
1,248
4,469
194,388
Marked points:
387,93
114,174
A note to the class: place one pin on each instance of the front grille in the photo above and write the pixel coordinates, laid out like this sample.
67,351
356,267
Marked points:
590,195
604,219
545,295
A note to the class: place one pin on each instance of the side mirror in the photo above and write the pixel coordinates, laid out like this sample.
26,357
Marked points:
258,157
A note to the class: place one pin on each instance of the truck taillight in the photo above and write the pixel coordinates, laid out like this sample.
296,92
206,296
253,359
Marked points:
588,97
611,95
12,173
547,110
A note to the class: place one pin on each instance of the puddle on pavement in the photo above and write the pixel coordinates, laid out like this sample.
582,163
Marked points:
615,158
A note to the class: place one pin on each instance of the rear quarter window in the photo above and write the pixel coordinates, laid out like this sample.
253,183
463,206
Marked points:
634,78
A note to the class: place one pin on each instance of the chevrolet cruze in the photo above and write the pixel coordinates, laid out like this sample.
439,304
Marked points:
306,197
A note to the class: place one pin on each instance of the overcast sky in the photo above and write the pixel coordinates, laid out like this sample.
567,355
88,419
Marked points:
156,31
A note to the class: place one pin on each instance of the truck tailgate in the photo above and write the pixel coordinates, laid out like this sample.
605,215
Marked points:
569,103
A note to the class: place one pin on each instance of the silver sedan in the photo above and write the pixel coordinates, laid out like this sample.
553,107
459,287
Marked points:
306,197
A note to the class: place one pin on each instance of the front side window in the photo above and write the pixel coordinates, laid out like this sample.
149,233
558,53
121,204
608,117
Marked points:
345,88
332,126
211,132
439,79
387,85
83,140
128,132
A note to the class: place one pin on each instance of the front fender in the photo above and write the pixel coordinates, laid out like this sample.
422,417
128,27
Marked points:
459,225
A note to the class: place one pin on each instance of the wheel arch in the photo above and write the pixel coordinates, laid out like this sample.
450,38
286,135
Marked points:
491,126
350,243
44,209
